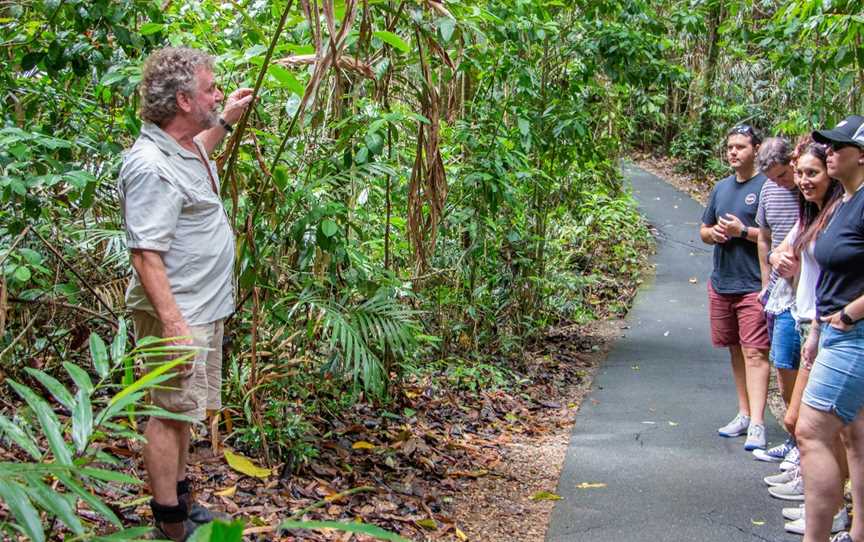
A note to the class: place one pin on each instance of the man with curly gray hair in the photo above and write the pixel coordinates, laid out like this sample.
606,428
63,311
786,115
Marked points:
776,215
182,252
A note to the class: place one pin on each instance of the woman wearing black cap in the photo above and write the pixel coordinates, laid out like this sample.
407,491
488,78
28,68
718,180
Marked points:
834,395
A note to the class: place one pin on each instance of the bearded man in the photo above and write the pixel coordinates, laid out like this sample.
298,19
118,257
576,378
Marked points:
182,252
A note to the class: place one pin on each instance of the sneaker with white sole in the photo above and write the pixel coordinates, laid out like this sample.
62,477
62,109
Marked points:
840,521
776,454
792,459
794,513
782,478
755,437
793,491
736,428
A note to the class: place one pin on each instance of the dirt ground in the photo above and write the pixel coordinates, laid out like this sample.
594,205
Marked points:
514,502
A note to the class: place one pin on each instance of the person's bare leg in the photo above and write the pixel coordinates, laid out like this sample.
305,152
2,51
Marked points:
163,441
758,372
740,375
786,382
184,453
854,441
794,406
842,460
816,433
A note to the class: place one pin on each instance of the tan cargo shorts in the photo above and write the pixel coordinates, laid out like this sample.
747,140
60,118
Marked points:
193,392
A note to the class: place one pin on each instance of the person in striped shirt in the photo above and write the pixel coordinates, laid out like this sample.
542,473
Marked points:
776,215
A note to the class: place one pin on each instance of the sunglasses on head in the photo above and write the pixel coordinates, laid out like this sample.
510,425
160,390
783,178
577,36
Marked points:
744,129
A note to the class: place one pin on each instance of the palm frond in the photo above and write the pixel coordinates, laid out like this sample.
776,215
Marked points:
359,335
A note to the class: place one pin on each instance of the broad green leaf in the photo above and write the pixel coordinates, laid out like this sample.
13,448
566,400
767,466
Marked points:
22,509
132,533
54,502
286,79
109,476
21,274
392,39
48,421
329,228
219,530
54,386
79,376
151,28
92,500
359,528
118,345
19,437
147,380
114,409
446,26
155,412
375,142
82,421
524,126
99,355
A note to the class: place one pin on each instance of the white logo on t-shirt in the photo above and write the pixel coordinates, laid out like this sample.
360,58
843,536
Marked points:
750,199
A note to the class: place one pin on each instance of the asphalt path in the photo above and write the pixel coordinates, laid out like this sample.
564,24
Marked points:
645,462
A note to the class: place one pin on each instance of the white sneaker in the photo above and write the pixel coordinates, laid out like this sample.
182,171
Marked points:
737,427
796,512
793,491
792,459
841,519
781,478
777,454
755,437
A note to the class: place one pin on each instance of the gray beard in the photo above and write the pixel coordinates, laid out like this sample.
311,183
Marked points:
208,119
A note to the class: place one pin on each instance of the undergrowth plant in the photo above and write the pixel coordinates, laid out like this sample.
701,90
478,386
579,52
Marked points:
64,460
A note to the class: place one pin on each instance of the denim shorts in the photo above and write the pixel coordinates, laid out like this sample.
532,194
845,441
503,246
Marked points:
785,342
837,380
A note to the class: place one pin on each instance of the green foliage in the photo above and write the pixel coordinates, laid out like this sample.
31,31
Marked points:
220,531
786,67
423,202
73,460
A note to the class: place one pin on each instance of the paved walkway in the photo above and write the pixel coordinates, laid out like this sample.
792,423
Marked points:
648,428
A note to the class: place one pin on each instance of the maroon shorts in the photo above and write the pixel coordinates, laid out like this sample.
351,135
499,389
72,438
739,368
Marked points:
737,319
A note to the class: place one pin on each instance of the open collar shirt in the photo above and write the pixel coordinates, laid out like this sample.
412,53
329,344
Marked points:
169,206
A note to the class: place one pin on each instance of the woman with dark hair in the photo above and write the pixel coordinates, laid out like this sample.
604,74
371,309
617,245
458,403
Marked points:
818,195
737,318
834,395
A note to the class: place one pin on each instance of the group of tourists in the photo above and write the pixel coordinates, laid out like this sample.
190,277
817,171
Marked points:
787,285
787,288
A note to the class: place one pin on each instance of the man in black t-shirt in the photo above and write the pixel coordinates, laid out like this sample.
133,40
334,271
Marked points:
737,318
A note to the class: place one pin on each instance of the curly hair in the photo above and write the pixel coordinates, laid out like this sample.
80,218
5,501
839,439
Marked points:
774,151
166,72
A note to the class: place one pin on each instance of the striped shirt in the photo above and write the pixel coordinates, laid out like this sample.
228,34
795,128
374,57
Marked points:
778,212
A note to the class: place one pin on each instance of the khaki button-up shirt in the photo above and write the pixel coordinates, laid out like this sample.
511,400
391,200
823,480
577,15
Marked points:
169,206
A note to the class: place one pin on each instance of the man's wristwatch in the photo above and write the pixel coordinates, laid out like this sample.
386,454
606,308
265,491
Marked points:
225,126
744,232
845,318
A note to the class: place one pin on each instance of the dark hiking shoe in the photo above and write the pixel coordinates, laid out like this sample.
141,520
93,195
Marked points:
197,513
172,522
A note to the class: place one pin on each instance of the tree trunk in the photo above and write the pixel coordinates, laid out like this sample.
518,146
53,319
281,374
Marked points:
709,74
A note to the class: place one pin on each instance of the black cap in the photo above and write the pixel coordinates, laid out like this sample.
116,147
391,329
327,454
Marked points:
849,130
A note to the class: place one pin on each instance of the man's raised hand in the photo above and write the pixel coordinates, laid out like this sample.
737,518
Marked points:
236,104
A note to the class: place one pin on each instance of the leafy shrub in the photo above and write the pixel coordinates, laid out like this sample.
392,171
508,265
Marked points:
65,452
